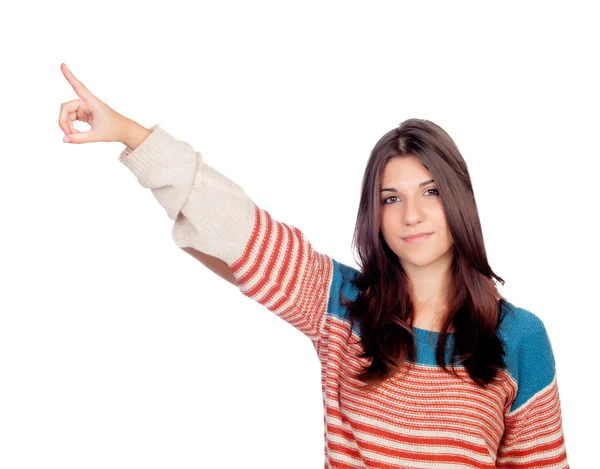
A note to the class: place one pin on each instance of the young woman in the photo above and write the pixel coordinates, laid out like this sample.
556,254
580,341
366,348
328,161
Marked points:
424,363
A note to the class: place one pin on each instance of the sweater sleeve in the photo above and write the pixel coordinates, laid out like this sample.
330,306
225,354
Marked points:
533,435
273,263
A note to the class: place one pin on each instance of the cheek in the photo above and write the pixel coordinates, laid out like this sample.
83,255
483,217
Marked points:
389,223
446,232
439,215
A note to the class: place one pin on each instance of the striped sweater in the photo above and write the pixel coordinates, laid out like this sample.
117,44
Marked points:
424,418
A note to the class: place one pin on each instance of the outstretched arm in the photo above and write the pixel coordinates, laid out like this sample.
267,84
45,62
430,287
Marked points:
213,263
217,223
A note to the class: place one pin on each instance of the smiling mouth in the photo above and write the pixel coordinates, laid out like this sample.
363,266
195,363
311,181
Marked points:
417,239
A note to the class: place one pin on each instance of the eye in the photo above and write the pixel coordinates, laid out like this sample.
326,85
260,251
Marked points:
384,201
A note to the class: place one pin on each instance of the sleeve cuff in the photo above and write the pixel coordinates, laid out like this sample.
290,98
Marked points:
156,151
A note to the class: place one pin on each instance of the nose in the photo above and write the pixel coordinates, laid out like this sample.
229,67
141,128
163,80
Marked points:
412,212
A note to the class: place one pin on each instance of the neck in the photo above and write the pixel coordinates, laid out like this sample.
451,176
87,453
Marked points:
429,288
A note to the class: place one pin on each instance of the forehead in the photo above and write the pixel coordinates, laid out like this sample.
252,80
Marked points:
405,171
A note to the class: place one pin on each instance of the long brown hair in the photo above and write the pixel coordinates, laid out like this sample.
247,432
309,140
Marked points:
383,308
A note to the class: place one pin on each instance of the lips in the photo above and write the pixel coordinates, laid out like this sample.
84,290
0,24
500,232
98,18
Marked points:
416,235
417,239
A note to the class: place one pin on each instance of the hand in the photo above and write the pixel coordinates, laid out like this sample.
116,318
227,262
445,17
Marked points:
107,124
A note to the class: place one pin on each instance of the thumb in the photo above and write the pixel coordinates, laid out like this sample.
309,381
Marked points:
80,137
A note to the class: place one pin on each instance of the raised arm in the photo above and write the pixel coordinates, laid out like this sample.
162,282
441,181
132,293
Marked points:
214,219
217,223
133,136
215,264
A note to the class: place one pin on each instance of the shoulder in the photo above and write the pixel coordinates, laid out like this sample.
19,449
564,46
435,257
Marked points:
342,285
518,323
343,279
529,357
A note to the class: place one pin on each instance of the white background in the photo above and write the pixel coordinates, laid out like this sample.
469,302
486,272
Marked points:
118,350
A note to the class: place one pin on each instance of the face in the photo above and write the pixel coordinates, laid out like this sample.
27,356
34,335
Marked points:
409,209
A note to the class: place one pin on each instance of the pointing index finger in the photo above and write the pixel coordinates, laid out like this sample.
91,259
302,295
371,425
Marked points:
81,90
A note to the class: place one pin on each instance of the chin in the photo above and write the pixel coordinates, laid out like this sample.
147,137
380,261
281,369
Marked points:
417,261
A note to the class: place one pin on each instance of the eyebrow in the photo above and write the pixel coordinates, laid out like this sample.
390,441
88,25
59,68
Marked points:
391,189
